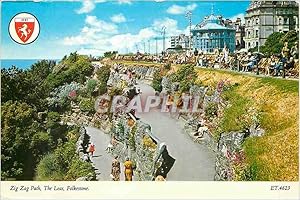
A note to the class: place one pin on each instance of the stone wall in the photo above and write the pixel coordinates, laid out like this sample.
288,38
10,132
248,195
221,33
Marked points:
134,140
81,150
228,149
137,142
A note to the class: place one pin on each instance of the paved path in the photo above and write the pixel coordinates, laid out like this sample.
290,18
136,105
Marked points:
194,162
102,160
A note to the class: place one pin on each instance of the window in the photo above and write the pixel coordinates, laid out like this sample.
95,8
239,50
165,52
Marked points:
285,20
279,21
249,45
257,21
257,44
256,33
249,33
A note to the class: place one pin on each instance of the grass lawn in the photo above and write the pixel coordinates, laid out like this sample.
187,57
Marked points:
275,155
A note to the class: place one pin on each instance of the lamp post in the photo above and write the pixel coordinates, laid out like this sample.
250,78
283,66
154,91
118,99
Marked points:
163,32
189,16
256,60
156,46
149,47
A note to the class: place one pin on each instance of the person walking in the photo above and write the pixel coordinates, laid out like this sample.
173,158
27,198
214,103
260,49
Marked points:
115,169
91,149
128,170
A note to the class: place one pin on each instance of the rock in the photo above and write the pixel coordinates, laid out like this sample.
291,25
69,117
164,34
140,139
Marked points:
84,178
256,131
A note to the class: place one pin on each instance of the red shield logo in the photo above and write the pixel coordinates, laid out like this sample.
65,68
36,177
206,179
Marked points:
24,27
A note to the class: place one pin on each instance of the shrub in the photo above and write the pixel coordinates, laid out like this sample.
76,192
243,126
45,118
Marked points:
156,83
48,169
41,143
211,110
87,105
103,75
186,76
91,86
79,168
60,97
63,164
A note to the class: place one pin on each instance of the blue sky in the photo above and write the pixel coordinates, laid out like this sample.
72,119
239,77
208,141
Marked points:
93,27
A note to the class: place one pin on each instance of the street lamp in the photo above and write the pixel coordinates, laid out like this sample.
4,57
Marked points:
257,70
149,47
189,16
163,32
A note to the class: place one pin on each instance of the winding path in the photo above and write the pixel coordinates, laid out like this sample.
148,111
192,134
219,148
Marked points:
102,160
194,162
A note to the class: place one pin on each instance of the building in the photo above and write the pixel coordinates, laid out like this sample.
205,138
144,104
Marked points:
180,40
239,27
266,17
213,34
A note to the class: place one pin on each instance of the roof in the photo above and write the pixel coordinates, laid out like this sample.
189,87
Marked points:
212,22
213,26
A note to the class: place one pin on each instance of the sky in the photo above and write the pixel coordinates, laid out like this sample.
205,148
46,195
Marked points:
94,27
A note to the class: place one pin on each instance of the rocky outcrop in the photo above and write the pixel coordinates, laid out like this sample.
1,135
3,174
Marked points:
230,152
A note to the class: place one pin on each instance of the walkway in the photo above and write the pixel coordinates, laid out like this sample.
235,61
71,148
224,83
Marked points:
194,162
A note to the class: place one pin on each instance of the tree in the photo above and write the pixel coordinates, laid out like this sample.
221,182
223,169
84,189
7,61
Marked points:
24,141
91,86
27,85
103,75
110,54
156,83
75,68
63,164
178,47
186,76
275,42
16,132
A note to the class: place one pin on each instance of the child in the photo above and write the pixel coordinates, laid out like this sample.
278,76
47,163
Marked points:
91,149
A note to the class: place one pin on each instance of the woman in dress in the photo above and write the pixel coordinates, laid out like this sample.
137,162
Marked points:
115,169
128,170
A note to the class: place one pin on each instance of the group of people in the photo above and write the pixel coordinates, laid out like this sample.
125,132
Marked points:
116,169
240,61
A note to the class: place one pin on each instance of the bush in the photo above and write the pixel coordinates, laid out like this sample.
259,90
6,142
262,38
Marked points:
47,169
53,118
87,105
63,164
103,76
60,97
41,143
91,86
211,110
156,83
186,76
78,169
167,66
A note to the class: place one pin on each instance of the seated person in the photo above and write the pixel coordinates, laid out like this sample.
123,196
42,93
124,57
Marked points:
278,66
290,63
251,64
